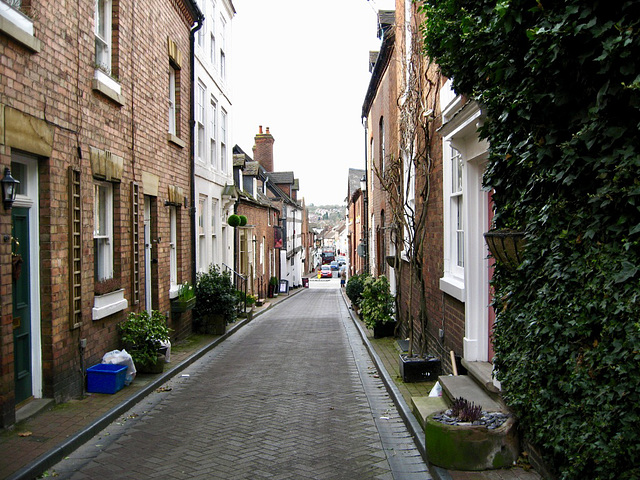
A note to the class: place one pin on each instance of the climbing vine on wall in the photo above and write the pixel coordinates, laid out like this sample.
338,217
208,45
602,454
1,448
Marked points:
560,83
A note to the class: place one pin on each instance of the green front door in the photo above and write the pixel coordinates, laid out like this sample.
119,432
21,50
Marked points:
21,303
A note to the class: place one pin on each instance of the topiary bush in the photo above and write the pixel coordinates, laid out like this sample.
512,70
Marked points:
233,220
560,86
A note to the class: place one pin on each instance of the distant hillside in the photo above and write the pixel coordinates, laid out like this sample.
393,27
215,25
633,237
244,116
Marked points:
326,214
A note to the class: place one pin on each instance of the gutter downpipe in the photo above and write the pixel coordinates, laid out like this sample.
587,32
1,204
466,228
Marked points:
192,115
365,199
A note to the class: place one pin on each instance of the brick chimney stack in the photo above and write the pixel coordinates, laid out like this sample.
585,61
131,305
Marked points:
263,149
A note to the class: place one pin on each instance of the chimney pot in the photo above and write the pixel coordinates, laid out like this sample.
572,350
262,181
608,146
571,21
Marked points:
260,129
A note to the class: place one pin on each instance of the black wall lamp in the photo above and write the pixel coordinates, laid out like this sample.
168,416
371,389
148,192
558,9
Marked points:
9,189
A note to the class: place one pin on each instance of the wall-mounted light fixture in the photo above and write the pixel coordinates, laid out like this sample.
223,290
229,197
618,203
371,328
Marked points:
9,189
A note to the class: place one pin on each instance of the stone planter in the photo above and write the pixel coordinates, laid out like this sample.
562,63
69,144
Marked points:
470,447
180,306
419,369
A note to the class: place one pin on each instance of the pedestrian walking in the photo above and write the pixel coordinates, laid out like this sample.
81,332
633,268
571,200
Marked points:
343,278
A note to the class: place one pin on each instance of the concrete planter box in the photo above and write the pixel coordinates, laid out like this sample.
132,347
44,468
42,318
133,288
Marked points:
470,447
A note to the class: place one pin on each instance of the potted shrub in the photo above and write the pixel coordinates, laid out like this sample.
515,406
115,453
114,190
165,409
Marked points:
377,306
215,301
273,285
185,300
142,335
354,289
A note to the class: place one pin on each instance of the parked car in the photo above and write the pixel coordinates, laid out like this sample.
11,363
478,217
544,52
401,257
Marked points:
335,265
325,272
342,260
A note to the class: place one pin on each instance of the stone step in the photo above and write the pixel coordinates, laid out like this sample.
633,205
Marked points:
464,386
422,407
482,372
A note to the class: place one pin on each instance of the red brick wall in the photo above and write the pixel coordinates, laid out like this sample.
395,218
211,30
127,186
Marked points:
258,218
55,85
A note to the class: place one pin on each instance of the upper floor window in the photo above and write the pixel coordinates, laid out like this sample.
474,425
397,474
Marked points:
223,41
381,145
223,140
456,203
103,35
200,116
201,36
172,100
213,131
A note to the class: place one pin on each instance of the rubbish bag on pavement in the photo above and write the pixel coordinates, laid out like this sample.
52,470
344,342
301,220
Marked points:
121,357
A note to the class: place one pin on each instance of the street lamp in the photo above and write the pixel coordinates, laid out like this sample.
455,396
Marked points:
9,189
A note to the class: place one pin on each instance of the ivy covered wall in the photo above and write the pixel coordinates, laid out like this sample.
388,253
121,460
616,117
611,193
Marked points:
560,83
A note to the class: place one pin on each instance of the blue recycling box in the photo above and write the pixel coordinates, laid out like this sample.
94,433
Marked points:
106,378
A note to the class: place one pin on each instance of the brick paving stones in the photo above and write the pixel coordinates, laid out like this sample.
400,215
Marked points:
292,395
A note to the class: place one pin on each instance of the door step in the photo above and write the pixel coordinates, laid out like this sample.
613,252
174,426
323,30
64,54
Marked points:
464,386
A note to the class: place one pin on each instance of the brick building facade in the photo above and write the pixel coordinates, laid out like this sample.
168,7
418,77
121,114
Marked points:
104,181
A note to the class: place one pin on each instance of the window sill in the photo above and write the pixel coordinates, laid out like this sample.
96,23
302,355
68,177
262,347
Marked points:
108,304
175,140
108,87
454,287
173,291
19,27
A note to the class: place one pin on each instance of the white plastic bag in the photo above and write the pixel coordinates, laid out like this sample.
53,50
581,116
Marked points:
121,357
436,391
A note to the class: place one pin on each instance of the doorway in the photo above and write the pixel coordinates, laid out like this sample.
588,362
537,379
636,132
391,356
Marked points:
26,279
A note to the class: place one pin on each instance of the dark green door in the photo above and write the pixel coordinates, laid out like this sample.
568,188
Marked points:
21,303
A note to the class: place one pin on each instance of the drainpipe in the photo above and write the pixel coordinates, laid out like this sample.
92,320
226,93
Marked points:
365,199
192,116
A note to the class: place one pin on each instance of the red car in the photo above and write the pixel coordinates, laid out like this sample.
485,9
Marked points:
325,271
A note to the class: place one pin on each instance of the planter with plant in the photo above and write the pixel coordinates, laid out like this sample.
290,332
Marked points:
185,300
465,437
354,289
377,306
108,298
142,334
273,287
216,301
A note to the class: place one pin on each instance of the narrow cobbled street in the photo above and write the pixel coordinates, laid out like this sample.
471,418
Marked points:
292,395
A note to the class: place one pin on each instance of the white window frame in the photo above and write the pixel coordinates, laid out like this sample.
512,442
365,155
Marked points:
223,46
213,131
203,264
102,18
223,139
200,121
172,100
103,230
215,212
453,282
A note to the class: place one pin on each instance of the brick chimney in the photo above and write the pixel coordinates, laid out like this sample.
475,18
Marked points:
263,149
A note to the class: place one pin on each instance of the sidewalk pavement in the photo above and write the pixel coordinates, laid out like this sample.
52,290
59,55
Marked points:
40,441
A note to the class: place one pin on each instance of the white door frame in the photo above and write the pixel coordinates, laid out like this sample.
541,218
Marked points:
28,198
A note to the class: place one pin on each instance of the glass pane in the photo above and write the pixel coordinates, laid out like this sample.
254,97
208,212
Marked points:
19,172
100,210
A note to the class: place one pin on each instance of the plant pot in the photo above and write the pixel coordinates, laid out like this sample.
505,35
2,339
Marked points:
471,447
180,306
386,329
419,369
157,367
213,324
506,246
